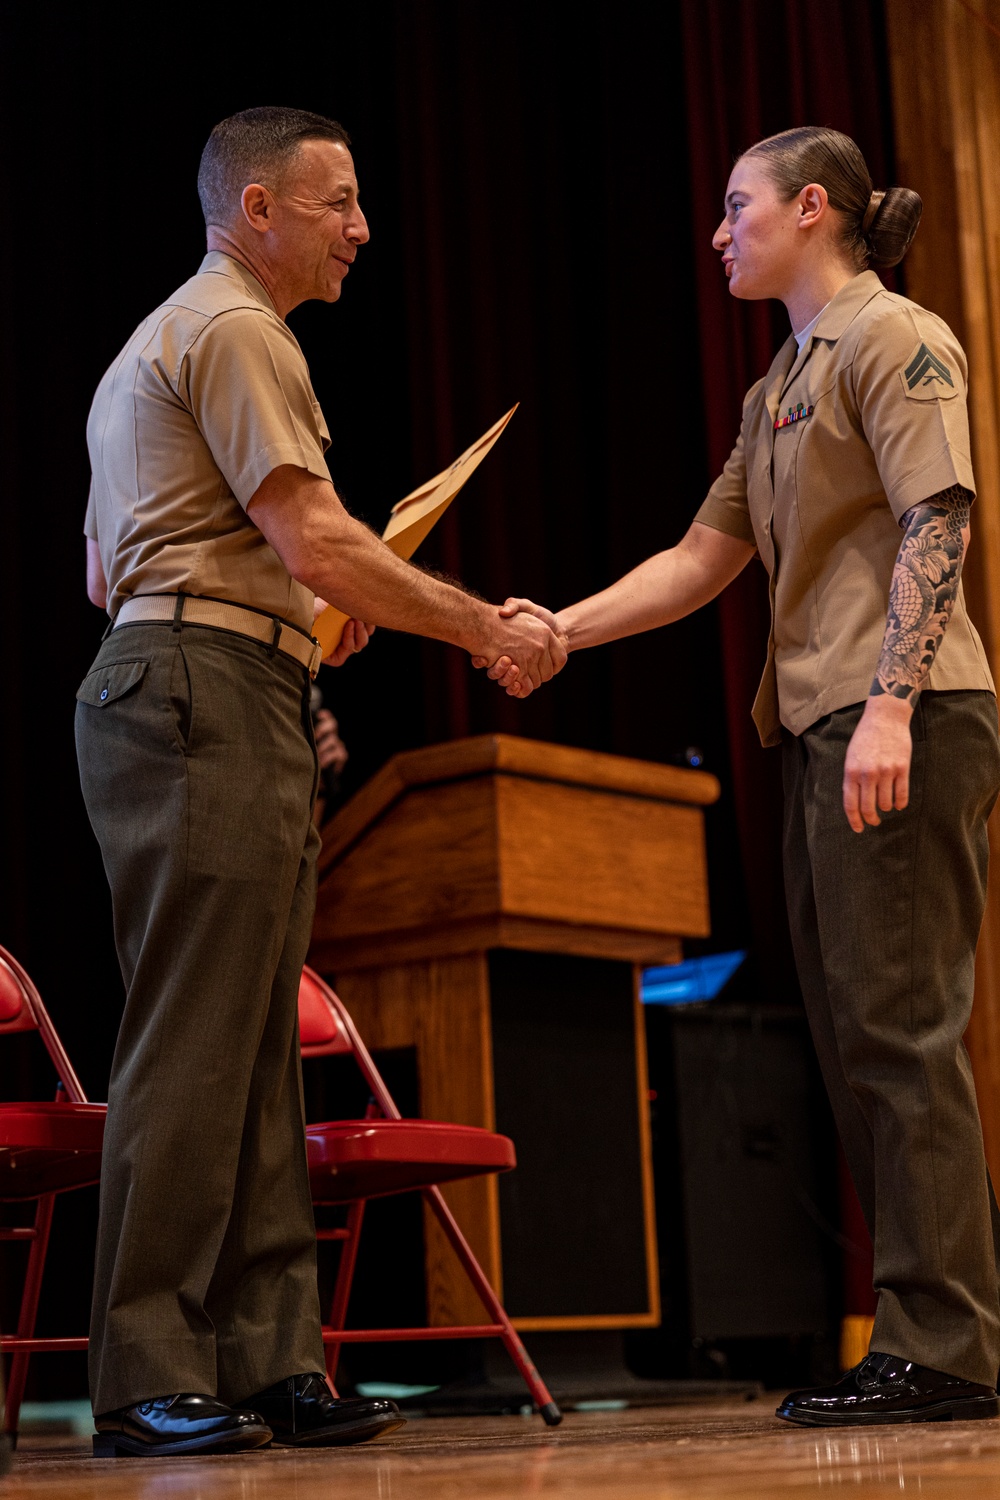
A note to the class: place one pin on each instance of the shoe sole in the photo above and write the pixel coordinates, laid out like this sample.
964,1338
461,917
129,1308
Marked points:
117,1445
969,1409
340,1436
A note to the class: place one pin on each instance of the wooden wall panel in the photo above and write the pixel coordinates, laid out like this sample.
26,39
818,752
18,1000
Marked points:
945,65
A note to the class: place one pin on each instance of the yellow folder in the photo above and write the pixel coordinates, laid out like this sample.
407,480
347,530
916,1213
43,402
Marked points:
413,518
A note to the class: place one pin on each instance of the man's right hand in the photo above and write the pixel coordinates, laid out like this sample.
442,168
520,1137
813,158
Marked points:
526,649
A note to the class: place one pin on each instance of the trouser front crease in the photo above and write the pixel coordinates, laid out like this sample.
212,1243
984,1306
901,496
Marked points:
884,926
198,782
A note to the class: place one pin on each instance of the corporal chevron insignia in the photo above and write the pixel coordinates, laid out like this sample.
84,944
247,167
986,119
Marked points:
927,378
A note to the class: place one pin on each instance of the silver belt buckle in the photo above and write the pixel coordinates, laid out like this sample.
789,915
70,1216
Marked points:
315,659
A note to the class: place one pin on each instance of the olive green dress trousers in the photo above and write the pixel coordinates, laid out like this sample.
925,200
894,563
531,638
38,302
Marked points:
198,770
884,926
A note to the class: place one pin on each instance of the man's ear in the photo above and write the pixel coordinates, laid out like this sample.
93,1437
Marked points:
258,207
813,202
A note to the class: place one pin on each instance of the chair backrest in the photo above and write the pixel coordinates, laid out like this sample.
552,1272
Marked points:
21,1009
326,1029
321,1033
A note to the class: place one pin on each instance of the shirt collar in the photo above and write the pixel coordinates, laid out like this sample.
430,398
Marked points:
842,309
835,318
807,332
218,263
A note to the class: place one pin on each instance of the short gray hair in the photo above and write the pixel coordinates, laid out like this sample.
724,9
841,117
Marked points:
257,145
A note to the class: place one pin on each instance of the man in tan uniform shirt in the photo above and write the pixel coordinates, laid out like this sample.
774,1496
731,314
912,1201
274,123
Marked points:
222,395
212,525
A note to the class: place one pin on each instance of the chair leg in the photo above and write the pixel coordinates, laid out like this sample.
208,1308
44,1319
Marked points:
29,1308
342,1285
539,1391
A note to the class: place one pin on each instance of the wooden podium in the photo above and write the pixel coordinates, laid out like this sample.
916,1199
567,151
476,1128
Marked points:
490,902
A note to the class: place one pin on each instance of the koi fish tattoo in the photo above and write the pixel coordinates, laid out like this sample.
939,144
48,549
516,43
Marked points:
922,593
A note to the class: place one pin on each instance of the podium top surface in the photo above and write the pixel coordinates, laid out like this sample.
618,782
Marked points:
508,754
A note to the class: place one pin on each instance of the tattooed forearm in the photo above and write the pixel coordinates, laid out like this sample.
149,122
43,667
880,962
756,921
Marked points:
922,592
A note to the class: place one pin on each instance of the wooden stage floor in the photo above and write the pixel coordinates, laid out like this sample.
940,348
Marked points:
667,1453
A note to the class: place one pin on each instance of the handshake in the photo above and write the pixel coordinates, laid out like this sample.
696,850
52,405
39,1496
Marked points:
526,646
521,644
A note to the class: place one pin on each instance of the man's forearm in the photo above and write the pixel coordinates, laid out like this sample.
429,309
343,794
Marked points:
358,573
326,549
922,593
341,560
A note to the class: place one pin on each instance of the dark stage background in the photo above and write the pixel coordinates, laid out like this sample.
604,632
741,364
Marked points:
542,185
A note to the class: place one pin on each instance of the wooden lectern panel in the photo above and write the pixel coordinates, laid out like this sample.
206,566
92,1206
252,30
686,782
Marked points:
456,852
447,850
442,1008
432,858
600,859
515,847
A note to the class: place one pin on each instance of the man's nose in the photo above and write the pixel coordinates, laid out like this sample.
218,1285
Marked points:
358,232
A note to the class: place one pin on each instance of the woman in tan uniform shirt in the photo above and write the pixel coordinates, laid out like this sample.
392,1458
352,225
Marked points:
852,480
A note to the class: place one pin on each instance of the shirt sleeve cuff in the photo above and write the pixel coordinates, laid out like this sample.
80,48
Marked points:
732,519
946,469
246,484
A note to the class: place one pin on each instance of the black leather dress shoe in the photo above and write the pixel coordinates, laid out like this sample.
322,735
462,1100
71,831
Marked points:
883,1388
301,1413
178,1424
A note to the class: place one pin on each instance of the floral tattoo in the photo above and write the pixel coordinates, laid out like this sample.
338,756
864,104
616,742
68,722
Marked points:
922,593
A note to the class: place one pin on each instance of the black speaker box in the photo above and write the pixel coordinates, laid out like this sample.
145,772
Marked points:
572,1215
745,1169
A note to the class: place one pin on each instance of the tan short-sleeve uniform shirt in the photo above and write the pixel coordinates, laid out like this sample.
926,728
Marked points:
871,419
209,395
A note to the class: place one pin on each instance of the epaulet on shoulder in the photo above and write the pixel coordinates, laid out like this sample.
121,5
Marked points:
892,305
202,309
220,316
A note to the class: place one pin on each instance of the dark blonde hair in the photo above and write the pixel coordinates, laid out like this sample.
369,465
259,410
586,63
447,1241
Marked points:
878,226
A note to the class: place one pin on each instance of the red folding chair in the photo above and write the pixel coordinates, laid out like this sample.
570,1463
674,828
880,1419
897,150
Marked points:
351,1161
45,1149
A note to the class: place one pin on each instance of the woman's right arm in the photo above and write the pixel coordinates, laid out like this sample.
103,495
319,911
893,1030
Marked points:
662,589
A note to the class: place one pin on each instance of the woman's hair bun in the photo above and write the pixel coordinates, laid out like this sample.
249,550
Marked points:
893,224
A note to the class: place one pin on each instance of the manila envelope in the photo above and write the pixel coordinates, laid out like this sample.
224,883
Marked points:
413,518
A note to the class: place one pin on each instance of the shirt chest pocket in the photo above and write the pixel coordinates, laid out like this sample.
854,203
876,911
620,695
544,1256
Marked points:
108,683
